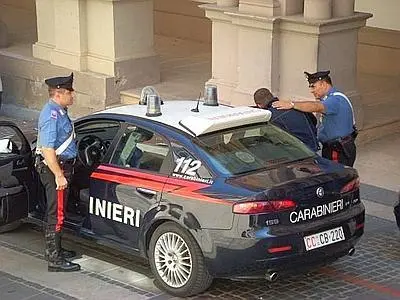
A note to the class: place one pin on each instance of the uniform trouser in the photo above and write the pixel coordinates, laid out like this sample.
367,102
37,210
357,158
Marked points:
344,153
56,208
56,199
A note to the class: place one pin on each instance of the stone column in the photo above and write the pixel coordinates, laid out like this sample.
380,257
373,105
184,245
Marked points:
317,9
244,49
45,29
224,51
70,35
121,40
260,7
342,8
107,40
258,57
291,7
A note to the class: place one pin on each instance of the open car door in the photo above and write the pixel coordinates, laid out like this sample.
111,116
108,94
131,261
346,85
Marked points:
16,175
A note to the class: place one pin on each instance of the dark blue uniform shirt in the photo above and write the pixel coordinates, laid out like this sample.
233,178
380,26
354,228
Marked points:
301,125
338,119
55,127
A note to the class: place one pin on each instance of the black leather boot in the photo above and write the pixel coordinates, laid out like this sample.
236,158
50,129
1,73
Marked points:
67,254
56,263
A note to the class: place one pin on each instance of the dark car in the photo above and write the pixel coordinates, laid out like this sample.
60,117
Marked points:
397,212
201,193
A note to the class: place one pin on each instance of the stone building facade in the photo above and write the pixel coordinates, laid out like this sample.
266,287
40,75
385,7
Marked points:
115,47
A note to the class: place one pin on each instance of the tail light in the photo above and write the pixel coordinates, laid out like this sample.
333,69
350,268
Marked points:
351,186
262,207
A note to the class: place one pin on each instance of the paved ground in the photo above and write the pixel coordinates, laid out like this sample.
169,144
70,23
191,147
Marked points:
372,273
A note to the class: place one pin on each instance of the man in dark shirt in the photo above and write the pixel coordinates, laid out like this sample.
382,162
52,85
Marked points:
301,125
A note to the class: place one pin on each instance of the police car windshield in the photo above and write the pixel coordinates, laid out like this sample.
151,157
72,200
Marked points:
250,148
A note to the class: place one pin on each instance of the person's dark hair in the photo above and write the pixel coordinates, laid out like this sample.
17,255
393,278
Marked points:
263,96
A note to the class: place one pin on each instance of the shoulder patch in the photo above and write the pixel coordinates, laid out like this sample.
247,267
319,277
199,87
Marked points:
54,114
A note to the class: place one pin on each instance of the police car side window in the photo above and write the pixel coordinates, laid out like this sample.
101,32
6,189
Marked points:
141,149
188,166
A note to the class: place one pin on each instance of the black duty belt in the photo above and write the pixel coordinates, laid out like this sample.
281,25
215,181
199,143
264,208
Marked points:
340,140
69,161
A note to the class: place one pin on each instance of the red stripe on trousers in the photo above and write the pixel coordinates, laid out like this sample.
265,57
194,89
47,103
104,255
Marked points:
335,155
60,210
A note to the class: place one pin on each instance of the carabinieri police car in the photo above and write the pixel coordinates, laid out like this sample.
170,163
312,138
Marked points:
199,189
397,212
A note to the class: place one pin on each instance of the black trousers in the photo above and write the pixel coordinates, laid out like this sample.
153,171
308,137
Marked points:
56,199
344,153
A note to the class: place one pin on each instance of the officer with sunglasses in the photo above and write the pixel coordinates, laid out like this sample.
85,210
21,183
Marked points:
337,130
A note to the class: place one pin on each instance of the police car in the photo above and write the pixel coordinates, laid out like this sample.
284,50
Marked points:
199,189
397,212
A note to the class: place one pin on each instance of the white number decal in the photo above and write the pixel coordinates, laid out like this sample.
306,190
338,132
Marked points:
187,166
195,164
179,164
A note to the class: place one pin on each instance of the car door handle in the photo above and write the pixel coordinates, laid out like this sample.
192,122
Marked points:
146,192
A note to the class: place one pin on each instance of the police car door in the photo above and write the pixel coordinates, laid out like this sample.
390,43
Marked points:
16,174
126,189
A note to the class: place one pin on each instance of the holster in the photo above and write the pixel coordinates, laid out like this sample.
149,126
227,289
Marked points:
341,145
39,163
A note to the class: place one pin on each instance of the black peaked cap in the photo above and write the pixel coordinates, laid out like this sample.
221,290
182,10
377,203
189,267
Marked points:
61,82
314,77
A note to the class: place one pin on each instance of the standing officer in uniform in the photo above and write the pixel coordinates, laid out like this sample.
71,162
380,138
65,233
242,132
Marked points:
58,150
300,124
337,130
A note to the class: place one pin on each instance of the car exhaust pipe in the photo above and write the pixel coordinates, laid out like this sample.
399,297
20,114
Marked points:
351,252
271,277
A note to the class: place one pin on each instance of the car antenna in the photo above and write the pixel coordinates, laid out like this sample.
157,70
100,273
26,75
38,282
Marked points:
197,106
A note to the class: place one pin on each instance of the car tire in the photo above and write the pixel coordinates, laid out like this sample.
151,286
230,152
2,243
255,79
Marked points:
10,227
184,273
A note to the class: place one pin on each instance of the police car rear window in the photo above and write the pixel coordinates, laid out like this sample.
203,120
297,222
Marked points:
250,148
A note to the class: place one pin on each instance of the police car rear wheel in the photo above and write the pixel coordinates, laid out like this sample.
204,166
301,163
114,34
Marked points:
177,261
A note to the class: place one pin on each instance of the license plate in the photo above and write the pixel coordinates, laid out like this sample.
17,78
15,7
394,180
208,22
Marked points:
324,238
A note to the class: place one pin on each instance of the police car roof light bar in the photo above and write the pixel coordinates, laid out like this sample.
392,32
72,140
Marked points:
153,106
210,95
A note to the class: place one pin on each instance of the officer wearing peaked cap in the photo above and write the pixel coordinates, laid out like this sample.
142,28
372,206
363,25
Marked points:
337,130
56,153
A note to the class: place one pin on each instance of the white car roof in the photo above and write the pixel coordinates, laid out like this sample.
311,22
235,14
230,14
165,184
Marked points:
178,114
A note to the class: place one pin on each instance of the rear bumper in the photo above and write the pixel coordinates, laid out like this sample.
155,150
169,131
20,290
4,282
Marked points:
249,257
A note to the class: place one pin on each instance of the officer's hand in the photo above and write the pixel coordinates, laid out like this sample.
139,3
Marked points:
283,104
61,182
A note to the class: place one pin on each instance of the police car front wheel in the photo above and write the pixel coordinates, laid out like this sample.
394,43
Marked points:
177,261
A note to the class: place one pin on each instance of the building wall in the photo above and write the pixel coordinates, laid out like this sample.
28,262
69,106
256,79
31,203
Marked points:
19,17
386,12
181,19
379,51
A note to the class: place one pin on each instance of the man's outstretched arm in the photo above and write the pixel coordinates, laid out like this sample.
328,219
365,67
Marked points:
306,106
